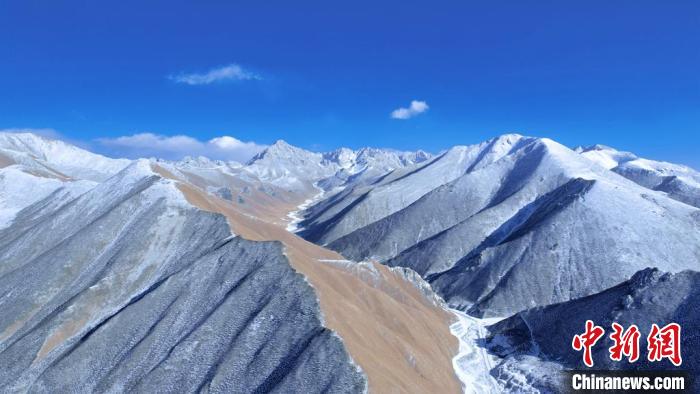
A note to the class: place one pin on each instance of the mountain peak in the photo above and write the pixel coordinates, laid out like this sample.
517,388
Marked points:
605,156
280,149
509,137
598,147
281,144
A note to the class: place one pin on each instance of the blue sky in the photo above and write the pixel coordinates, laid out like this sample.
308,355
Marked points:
327,74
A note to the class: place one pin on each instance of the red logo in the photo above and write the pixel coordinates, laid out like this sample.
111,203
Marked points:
626,343
586,341
665,343
661,343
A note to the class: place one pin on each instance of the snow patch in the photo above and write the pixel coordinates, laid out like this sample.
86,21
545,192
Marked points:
295,216
19,189
473,363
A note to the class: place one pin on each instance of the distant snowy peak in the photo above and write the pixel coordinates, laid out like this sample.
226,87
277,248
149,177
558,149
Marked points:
379,159
390,158
282,163
680,182
341,157
611,158
199,163
281,150
605,155
39,152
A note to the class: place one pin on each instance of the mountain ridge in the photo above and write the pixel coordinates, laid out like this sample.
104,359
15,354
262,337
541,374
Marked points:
493,229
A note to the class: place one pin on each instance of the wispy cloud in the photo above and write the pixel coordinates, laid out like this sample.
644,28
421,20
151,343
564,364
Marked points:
178,146
231,72
416,108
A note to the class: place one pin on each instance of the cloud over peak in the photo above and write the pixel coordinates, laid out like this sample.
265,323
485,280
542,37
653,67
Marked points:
178,146
231,72
416,108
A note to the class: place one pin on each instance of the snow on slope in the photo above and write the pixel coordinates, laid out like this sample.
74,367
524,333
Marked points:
680,182
491,226
131,230
366,204
64,158
33,168
19,189
292,167
605,156
473,363
117,289
201,162
515,228
294,216
541,337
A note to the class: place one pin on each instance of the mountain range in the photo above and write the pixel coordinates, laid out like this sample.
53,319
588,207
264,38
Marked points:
343,271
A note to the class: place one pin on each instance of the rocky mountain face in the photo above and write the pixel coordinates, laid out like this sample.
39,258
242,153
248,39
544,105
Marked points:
531,337
509,224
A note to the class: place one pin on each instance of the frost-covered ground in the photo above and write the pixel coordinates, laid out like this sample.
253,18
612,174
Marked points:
483,372
473,363
295,217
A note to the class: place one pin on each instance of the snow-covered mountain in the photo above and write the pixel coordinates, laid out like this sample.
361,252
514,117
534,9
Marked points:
155,275
288,166
509,224
34,168
116,289
677,181
56,158
155,279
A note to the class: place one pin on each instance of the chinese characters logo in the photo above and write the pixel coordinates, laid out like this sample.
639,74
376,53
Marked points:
662,343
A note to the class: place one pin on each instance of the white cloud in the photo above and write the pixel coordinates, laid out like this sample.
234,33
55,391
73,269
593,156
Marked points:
416,108
178,146
231,72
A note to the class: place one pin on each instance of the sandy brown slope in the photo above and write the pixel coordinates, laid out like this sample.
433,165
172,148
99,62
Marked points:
399,337
267,202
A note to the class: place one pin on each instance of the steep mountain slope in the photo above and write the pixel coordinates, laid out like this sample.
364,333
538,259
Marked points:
649,297
364,204
128,285
34,167
520,225
20,189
